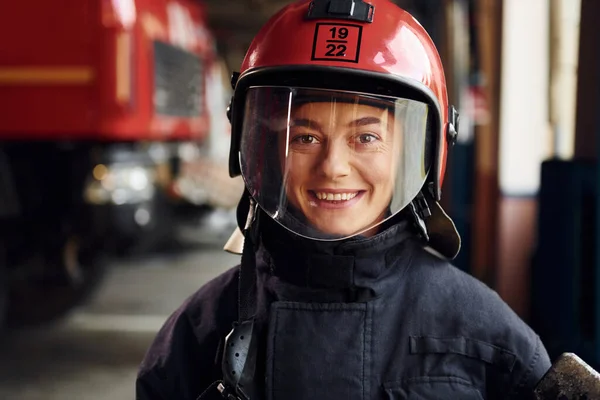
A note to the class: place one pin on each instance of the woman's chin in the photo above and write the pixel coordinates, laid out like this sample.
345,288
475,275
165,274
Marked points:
343,230
333,230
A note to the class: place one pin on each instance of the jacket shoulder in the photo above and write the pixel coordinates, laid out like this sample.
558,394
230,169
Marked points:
468,308
182,359
468,297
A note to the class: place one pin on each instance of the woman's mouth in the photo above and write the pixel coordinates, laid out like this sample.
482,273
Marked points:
335,196
335,199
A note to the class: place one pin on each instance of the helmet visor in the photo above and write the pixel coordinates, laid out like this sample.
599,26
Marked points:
328,164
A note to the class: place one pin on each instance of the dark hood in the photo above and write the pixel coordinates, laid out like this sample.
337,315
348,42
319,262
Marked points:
331,264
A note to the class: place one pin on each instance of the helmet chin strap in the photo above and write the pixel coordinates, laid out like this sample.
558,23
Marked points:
239,357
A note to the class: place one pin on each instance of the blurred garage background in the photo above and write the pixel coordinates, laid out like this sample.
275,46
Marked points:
115,198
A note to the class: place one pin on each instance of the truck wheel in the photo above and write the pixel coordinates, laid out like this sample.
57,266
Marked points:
70,278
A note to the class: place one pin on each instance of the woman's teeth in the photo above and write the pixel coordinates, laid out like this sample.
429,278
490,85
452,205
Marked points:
335,196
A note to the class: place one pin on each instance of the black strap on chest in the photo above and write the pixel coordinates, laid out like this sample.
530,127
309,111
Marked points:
247,279
239,357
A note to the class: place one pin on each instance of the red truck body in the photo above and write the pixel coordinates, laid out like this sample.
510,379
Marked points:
108,70
103,112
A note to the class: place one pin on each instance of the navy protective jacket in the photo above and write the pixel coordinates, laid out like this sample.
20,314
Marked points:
363,319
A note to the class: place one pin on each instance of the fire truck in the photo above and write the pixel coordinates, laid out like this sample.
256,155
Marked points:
104,105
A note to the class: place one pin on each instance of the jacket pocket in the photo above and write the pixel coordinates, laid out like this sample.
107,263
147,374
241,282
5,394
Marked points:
318,351
432,388
449,368
471,348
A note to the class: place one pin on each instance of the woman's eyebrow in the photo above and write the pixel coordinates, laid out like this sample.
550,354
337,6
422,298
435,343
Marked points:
307,123
364,121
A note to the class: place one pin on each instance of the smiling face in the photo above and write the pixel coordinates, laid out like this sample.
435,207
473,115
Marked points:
341,164
330,164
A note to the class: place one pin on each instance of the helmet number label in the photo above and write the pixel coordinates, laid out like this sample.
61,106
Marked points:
337,42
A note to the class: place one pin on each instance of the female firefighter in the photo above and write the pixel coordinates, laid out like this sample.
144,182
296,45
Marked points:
341,125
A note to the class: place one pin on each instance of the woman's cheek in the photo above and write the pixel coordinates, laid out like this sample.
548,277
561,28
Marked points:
376,172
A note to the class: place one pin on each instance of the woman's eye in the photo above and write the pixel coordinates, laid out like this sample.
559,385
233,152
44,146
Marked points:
367,138
305,139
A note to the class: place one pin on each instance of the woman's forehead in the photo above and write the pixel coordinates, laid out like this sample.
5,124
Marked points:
331,111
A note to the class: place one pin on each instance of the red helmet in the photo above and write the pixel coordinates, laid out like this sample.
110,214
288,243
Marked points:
371,48
375,47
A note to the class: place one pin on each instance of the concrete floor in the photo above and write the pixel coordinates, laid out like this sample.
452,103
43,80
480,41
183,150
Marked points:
93,354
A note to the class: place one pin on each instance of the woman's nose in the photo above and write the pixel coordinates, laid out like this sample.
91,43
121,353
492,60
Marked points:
335,162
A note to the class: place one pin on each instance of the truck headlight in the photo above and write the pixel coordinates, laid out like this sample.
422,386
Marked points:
120,184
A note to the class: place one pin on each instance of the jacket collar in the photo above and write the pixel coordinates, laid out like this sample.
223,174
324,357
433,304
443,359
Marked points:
334,264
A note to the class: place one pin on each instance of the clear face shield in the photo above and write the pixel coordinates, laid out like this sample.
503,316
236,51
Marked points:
329,165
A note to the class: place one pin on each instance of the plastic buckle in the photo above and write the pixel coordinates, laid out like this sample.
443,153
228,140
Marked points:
227,392
422,207
453,121
419,208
